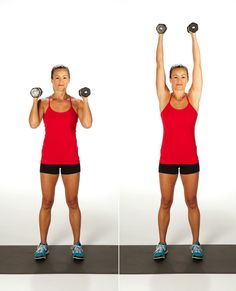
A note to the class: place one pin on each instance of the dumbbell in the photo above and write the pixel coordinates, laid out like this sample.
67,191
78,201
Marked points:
36,92
193,27
84,92
161,28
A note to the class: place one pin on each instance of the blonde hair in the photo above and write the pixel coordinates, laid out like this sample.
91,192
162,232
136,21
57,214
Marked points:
58,67
179,67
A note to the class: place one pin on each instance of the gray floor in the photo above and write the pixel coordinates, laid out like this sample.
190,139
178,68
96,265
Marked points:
20,260
218,259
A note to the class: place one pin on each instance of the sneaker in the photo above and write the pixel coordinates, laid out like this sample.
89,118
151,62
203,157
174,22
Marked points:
197,252
77,251
41,252
160,252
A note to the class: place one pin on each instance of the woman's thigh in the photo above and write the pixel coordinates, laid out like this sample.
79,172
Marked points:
71,184
190,183
48,184
167,185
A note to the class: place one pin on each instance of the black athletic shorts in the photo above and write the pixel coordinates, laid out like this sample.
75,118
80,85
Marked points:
174,168
54,169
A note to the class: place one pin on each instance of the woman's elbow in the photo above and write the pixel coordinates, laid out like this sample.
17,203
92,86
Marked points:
33,124
87,124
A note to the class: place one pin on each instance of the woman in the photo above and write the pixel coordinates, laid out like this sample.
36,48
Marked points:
60,113
179,112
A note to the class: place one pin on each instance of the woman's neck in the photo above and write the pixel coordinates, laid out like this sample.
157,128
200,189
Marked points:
179,96
60,96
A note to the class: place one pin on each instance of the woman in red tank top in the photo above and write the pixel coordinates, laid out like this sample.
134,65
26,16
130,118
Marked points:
179,111
60,113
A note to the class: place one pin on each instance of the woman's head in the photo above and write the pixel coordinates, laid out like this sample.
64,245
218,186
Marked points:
179,77
60,77
60,67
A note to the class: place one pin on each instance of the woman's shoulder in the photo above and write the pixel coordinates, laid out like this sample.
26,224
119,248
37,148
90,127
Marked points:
75,101
45,100
43,103
193,100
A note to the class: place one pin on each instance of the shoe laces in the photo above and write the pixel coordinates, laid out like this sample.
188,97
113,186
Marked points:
77,248
196,248
41,248
160,248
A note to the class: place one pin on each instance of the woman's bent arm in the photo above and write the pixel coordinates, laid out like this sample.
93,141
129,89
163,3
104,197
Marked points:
84,113
36,113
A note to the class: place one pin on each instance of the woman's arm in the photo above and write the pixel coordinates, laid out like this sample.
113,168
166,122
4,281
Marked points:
84,113
162,90
196,87
36,113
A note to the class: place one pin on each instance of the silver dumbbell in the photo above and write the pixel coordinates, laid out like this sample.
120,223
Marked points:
36,92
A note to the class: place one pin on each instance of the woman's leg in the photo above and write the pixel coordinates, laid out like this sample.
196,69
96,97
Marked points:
48,184
167,185
71,183
190,183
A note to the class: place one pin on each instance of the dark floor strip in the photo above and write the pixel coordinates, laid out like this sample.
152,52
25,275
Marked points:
217,259
100,259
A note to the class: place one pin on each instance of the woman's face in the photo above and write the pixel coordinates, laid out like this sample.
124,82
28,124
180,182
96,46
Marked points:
60,80
179,79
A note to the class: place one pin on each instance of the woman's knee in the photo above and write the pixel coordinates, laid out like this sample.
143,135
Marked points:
166,203
191,203
47,203
72,203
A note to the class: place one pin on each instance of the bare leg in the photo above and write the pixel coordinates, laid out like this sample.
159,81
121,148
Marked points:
167,184
190,183
71,183
48,184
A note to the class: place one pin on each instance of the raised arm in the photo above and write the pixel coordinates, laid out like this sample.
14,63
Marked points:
196,87
162,89
84,113
36,113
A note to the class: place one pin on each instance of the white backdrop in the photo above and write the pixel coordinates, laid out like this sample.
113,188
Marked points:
110,46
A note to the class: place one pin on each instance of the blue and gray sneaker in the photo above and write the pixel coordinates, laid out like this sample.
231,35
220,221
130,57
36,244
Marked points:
197,252
161,251
77,251
41,252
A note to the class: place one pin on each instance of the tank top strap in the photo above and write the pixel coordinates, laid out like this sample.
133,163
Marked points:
49,101
187,98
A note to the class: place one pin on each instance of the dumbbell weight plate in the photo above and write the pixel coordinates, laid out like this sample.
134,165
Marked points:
161,28
41,91
84,92
193,27
36,92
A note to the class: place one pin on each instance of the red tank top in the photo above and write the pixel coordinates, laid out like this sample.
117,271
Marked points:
178,144
60,144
